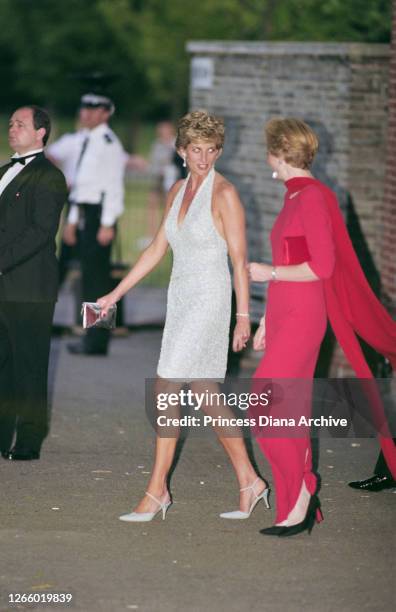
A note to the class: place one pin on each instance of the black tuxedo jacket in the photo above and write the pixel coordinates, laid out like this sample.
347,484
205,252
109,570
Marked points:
30,209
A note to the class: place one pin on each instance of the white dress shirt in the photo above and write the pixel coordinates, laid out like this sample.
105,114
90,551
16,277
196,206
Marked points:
65,152
14,170
99,176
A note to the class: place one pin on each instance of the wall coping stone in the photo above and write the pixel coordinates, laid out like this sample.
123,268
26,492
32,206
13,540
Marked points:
288,48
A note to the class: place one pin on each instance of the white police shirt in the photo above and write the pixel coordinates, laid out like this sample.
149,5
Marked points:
99,177
66,151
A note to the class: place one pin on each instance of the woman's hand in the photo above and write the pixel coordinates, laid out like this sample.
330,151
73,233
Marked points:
106,301
241,334
259,273
259,337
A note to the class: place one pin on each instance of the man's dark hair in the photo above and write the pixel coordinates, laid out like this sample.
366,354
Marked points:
41,119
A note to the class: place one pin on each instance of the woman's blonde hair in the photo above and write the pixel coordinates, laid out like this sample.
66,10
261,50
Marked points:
199,125
292,139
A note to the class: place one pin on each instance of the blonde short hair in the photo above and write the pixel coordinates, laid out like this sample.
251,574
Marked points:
292,139
197,126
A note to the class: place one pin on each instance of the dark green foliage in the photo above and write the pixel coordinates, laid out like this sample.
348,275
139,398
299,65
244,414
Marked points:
46,44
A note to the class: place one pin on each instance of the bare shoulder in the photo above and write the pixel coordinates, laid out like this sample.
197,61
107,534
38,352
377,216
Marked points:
173,190
225,192
175,187
178,184
172,194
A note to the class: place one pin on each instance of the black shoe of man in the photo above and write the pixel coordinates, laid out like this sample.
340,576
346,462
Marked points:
23,454
375,483
78,348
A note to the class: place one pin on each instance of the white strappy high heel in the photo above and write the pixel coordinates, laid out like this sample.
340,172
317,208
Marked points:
238,514
144,517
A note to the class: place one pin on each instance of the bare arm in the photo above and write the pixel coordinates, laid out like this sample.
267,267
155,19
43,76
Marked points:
299,273
146,262
232,217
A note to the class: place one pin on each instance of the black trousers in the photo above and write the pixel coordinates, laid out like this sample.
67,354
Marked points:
233,359
66,254
381,468
95,267
25,335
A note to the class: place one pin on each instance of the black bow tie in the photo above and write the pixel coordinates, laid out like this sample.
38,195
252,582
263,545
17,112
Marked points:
21,160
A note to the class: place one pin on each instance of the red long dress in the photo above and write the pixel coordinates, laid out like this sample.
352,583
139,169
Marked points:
296,318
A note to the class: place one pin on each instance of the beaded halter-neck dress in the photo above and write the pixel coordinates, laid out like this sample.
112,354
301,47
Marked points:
196,332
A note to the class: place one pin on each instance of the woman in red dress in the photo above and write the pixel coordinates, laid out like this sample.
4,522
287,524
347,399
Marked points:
313,263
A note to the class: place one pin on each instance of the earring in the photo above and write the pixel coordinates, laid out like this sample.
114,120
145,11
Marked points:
275,173
184,162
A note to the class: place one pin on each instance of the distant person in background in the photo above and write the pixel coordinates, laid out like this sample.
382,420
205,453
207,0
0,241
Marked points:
162,170
32,194
97,201
164,173
64,153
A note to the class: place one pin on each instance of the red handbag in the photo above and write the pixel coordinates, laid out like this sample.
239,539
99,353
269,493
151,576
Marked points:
295,250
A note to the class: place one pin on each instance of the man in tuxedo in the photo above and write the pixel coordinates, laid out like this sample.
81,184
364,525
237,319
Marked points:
32,194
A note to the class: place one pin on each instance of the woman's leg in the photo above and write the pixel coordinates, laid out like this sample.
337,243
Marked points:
233,443
294,481
165,447
278,476
288,449
157,486
303,490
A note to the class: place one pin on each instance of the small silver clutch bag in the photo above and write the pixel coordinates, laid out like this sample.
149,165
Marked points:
91,316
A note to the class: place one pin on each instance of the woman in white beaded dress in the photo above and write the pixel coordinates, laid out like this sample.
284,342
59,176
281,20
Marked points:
203,223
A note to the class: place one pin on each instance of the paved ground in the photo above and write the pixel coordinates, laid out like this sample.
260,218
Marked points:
59,529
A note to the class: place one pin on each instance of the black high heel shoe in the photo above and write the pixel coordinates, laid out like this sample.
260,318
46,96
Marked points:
313,514
275,530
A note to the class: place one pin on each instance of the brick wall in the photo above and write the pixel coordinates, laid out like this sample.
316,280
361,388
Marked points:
388,209
341,91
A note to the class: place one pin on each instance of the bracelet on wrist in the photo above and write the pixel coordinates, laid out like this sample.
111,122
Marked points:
273,273
246,315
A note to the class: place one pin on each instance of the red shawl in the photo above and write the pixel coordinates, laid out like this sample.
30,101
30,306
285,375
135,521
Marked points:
353,308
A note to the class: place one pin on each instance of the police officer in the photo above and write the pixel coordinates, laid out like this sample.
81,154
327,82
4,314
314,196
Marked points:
64,153
97,200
